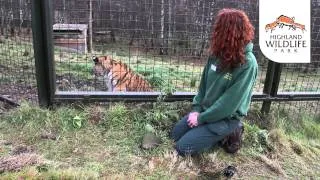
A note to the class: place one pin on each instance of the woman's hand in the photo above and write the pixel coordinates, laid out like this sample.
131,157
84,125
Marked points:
193,119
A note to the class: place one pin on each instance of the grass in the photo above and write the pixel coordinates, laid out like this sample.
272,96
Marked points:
16,62
104,142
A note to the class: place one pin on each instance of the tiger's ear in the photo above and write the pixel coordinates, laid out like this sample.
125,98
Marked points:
95,59
109,59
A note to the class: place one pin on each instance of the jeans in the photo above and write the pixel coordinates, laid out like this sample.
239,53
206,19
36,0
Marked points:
191,141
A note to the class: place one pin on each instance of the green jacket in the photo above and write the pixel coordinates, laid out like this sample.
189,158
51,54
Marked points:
225,94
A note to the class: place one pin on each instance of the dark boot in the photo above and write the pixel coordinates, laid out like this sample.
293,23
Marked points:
232,142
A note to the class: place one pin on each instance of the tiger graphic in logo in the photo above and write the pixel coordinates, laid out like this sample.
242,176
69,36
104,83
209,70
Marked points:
118,76
285,21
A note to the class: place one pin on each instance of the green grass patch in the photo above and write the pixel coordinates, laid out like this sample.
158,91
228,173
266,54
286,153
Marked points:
16,62
104,142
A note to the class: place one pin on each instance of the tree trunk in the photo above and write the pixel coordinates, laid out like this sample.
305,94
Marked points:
90,44
112,34
3,16
136,32
152,25
174,26
169,39
187,49
162,28
64,14
207,30
20,16
203,31
10,29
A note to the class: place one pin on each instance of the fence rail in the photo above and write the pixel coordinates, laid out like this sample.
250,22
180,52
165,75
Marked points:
95,96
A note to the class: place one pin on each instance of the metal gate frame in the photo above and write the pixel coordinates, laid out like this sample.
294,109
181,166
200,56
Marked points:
45,73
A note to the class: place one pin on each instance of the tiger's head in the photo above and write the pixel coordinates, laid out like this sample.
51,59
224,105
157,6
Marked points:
102,65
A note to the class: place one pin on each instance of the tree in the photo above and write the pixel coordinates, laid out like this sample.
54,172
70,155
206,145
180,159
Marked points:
90,45
3,17
161,52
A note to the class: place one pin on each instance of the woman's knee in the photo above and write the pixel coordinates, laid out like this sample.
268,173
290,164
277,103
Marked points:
195,141
184,149
179,129
175,134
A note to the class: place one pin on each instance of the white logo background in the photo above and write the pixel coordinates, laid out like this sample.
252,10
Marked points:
269,11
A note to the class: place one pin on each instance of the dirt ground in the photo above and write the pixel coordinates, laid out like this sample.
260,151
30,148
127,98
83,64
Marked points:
19,92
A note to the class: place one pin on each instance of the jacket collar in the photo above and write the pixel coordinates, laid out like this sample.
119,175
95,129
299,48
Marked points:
249,47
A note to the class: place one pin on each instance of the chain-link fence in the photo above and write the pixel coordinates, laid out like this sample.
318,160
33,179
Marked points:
17,74
164,42
306,77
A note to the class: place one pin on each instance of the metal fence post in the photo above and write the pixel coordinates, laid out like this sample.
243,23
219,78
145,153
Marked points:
271,84
276,79
43,50
267,87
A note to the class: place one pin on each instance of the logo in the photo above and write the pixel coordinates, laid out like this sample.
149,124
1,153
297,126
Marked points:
284,35
285,43
285,21
228,76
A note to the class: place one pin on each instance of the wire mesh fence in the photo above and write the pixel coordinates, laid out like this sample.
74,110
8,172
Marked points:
297,111
305,77
17,75
163,42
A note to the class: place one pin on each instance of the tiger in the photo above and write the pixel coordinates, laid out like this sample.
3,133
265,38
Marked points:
118,76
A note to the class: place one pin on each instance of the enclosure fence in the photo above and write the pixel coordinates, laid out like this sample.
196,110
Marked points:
164,42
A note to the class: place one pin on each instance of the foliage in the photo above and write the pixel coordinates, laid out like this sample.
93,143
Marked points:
104,142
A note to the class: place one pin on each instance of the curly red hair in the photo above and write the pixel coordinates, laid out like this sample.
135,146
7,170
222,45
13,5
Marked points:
232,30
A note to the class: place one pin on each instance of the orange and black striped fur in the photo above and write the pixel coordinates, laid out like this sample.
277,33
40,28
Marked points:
118,76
